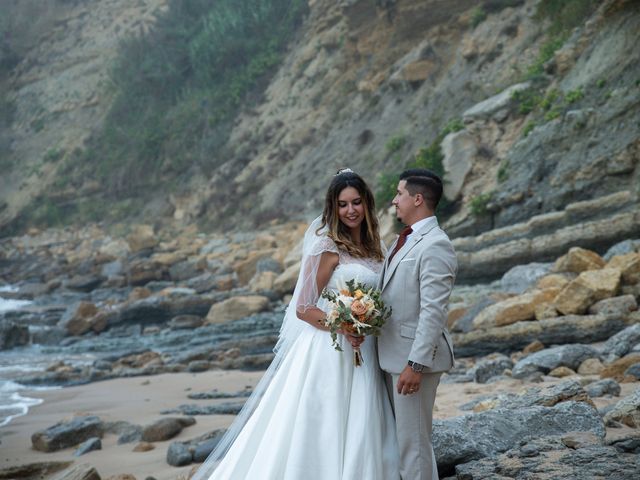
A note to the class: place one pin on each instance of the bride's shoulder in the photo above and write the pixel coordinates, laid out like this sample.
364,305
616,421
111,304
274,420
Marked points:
323,244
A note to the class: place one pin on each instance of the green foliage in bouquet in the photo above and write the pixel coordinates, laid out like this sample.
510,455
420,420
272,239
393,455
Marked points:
357,309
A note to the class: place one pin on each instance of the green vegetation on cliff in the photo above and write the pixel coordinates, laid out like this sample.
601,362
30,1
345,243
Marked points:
178,88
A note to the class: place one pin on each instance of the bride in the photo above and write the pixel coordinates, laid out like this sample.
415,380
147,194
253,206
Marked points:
315,416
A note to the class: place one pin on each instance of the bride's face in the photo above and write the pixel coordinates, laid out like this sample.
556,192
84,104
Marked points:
350,207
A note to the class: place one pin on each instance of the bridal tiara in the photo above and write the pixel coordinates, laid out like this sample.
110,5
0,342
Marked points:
343,170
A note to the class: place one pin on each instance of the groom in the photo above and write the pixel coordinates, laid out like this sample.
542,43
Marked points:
414,346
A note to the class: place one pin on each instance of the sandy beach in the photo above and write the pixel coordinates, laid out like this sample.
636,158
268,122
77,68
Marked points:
140,400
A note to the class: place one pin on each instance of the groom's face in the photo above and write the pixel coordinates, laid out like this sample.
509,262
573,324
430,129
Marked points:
404,203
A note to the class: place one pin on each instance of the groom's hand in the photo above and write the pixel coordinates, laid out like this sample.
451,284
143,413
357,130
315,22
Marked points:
409,381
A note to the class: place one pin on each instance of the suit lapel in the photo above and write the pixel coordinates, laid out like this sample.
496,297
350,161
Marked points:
390,267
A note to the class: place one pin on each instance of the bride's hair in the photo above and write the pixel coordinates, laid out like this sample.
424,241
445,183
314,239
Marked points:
370,246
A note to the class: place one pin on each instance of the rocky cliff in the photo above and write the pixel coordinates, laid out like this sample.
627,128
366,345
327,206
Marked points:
542,155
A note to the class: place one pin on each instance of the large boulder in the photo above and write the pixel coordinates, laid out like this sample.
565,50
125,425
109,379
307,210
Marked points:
485,434
579,260
522,277
512,310
568,329
544,361
67,434
620,306
590,287
629,265
572,456
236,308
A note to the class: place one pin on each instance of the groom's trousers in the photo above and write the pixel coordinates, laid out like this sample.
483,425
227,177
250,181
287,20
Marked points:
414,416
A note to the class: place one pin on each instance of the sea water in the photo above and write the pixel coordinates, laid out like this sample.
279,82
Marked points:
12,401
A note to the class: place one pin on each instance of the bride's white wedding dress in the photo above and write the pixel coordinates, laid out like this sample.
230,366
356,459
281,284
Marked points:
320,417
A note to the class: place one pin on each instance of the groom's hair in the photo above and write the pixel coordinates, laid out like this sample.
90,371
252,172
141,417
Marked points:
426,183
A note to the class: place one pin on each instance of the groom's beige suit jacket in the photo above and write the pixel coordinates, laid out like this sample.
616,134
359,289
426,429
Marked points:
416,284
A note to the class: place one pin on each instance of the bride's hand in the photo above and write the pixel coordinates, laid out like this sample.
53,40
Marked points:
354,340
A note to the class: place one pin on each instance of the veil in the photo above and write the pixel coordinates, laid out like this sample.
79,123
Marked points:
305,296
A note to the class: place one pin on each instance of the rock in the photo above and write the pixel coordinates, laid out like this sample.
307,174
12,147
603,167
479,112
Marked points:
141,238
591,366
226,408
545,310
77,318
165,428
236,308
459,150
619,306
626,411
127,432
269,264
462,439
67,434
263,281
570,356
633,371
522,277
33,470
581,439
490,367
185,322
143,271
628,442
286,281
603,387
198,366
568,329
246,269
621,343
533,347
204,449
45,336
143,447
561,372
568,390
92,444
12,335
178,455
488,107
84,283
622,248
465,323
616,369
549,458
185,270
629,265
555,280
579,260
512,310
78,472
588,288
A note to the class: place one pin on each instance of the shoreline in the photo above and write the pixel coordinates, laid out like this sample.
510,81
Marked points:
139,400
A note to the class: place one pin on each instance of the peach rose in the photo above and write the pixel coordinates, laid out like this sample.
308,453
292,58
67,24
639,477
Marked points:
358,308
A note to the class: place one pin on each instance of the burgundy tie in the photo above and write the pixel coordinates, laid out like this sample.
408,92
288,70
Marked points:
401,241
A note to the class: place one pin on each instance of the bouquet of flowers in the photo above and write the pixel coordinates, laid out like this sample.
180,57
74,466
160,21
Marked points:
356,309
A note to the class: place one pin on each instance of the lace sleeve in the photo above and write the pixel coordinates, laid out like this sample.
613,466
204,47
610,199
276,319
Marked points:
309,289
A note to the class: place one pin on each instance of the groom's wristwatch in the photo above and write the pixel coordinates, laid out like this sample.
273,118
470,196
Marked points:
417,367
